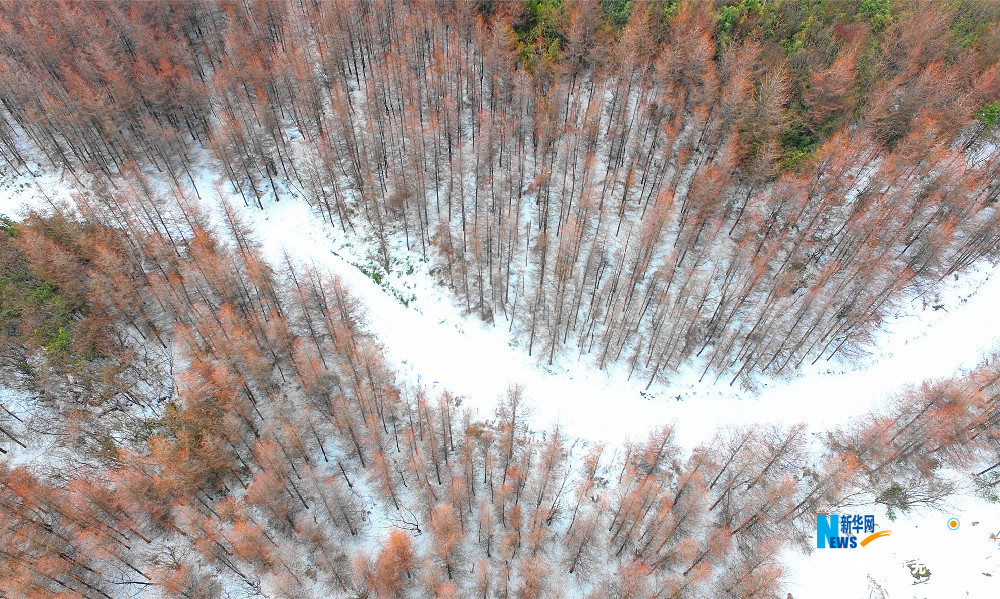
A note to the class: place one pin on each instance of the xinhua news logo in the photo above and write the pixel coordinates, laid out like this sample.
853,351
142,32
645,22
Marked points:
841,531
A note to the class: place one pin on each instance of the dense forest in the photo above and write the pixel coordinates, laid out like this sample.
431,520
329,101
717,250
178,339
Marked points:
747,186
213,428
753,185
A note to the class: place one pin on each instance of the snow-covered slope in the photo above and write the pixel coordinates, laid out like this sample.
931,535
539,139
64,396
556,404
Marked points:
431,343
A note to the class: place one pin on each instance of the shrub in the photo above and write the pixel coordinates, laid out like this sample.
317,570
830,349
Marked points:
894,498
876,12
989,115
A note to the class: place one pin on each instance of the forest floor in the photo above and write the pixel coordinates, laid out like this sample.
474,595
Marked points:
432,343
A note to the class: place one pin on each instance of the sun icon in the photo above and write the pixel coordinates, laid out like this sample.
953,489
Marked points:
953,523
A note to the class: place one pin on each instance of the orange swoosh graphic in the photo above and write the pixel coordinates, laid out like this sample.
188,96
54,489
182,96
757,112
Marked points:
878,535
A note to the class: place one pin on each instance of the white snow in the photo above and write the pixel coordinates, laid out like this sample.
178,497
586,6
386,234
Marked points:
432,343
962,563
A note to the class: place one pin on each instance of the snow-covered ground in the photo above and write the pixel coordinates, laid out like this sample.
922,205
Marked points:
431,343
961,563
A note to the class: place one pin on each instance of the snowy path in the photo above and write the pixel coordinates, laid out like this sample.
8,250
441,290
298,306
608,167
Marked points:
432,344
